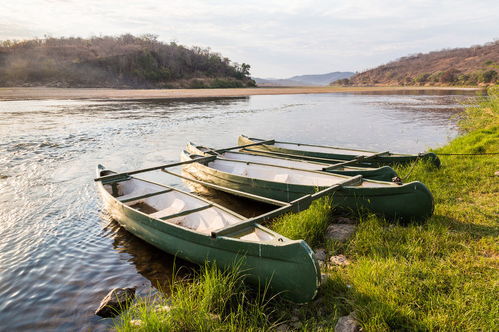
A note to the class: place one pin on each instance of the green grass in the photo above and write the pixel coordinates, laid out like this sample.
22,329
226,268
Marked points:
440,275
213,300
309,225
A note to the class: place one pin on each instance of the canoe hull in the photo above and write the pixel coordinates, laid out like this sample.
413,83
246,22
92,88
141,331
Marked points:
391,159
262,262
411,201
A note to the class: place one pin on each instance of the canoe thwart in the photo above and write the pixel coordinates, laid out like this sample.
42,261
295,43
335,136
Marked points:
186,212
270,142
105,178
115,179
336,187
130,199
297,205
229,190
353,161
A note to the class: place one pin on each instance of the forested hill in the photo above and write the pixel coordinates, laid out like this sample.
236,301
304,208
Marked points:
121,62
461,66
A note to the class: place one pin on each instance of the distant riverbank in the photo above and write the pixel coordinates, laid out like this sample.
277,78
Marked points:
21,93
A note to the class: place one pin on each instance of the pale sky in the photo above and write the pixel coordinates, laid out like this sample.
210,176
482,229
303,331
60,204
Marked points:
277,38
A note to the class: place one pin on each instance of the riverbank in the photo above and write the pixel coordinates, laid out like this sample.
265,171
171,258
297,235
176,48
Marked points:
20,93
437,275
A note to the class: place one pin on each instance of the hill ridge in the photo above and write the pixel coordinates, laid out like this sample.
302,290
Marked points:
473,65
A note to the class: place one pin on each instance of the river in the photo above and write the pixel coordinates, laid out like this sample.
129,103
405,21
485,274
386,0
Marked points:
59,254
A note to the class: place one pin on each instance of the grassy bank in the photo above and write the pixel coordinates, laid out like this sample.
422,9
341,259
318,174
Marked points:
440,275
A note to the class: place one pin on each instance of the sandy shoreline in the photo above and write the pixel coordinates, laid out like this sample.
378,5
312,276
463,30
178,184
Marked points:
19,93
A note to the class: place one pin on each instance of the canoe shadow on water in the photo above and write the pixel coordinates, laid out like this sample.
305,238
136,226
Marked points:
152,263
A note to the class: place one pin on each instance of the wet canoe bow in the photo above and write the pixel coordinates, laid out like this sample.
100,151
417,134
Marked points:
410,201
385,173
198,230
322,153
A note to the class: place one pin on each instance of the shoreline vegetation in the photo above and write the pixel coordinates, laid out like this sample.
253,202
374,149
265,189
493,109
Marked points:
39,93
439,275
477,65
124,61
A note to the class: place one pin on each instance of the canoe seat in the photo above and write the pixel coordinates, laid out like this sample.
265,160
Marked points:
136,193
281,177
176,206
204,221
239,170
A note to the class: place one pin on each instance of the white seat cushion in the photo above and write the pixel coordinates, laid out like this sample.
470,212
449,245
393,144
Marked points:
176,207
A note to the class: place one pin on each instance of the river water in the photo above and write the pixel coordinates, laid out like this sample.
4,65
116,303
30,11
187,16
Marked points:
59,255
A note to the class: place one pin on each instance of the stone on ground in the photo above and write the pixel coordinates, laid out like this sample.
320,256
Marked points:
340,232
347,324
340,260
115,301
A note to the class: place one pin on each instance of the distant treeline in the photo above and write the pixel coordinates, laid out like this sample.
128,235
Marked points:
125,61
476,65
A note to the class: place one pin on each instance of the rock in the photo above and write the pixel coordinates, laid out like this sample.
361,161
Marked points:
347,324
282,328
340,232
340,260
345,220
115,301
136,323
320,254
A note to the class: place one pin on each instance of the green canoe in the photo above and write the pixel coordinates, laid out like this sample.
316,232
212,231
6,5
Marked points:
385,173
321,153
198,230
410,201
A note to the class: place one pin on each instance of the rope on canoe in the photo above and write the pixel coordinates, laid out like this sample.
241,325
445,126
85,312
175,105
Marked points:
410,171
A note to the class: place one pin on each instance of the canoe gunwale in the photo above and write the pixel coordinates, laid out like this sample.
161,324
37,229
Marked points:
312,145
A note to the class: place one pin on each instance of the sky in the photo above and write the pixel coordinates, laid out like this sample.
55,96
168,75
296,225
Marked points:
277,38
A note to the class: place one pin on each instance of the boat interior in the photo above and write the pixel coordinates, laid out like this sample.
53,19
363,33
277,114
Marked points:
269,160
178,208
285,175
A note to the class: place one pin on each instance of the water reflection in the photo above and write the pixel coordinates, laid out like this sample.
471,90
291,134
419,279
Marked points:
150,262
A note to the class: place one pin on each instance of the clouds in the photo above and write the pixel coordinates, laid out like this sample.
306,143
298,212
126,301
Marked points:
277,38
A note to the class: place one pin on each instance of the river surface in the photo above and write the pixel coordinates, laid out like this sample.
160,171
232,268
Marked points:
59,254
